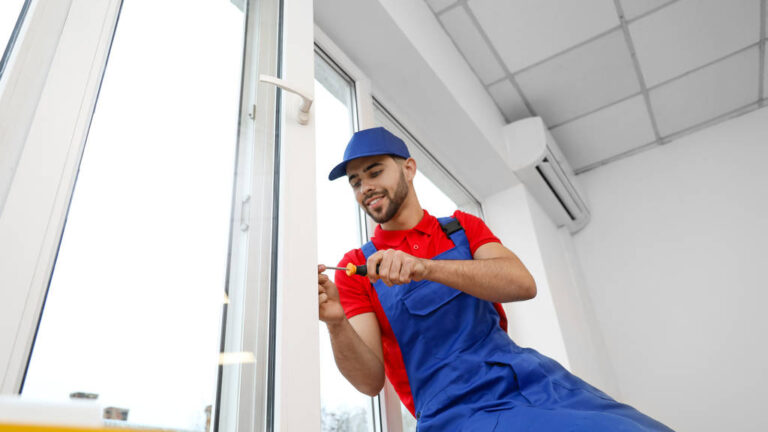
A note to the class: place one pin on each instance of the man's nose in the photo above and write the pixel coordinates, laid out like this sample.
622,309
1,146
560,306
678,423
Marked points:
366,187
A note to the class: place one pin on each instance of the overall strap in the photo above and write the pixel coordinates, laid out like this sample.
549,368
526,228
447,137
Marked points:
368,249
453,229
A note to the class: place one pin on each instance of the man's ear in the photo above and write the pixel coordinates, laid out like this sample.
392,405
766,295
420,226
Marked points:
410,168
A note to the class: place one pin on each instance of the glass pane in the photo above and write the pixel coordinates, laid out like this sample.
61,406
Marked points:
133,312
431,198
9,16
343,407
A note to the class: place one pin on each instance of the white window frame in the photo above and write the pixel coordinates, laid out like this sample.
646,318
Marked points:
52,87
50,91
49,110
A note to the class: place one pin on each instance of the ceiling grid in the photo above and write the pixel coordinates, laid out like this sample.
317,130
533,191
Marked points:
560,61
509,76
638,71
703,66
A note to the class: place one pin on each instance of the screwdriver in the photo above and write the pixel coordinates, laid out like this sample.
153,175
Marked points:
352,269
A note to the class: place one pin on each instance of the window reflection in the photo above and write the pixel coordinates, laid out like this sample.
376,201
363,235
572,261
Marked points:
133,312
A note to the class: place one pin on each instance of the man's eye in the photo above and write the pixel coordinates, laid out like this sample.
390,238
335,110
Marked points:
356,184
375,173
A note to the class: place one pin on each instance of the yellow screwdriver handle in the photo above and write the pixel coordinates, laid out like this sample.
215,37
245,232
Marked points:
361,270
351,269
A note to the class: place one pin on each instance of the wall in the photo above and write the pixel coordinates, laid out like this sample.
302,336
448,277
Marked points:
532,323
675,263
559,322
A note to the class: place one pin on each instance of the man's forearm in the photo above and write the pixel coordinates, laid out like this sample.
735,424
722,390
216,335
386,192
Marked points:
355,360
495,279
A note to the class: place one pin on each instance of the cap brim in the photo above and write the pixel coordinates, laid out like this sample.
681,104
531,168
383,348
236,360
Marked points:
339,170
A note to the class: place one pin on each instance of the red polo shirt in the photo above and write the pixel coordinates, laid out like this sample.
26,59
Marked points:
425,240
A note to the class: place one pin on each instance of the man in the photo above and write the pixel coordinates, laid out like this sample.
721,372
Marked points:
428,315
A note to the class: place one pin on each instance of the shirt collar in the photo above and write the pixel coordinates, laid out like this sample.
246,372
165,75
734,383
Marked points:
393,238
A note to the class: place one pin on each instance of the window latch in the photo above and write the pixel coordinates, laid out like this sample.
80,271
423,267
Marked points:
306,101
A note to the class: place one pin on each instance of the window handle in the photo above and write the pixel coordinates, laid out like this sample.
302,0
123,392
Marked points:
306,101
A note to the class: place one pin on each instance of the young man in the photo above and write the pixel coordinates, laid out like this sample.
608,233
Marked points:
428,315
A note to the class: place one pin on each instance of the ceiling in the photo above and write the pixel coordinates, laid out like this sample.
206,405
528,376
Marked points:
613,77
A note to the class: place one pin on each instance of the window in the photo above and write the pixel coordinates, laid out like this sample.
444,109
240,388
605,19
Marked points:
133,309
343,408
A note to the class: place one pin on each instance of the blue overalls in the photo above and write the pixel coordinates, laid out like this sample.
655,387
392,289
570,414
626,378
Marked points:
466,374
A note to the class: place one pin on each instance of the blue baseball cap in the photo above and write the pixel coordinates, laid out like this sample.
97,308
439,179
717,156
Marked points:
370,142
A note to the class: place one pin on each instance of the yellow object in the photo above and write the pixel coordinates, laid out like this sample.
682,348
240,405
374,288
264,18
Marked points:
351,269
51,428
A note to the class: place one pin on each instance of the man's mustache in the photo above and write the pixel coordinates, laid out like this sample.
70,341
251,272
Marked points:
373,194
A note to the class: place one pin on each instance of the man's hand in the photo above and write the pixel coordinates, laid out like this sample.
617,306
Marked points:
356,342
396,267
328,302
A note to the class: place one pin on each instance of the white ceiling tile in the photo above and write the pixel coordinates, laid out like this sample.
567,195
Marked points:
605,133
528,31
438,5
581,80
509,100
477,52
634,8
707,93
691,33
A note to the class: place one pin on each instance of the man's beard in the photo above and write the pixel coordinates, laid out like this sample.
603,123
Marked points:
395,202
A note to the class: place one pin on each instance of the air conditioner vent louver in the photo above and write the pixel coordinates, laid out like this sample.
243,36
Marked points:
541,166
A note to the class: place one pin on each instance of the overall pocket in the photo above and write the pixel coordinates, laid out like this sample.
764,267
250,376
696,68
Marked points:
424,297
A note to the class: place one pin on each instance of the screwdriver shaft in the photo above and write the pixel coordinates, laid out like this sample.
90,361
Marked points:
352,269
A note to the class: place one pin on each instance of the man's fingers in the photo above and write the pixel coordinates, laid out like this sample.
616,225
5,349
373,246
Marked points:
320,289
322,298
394,271
321,268
394,267
373,265
405,273
387,263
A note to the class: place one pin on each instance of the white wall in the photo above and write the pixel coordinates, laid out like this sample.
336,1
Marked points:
675,261
532,323
559,322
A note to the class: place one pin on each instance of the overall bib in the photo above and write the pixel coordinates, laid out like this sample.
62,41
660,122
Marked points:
466,374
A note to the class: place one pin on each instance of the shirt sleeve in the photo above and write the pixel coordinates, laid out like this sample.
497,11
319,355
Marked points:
353,290
476,230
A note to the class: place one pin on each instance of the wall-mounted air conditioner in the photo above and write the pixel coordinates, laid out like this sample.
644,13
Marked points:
541,166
